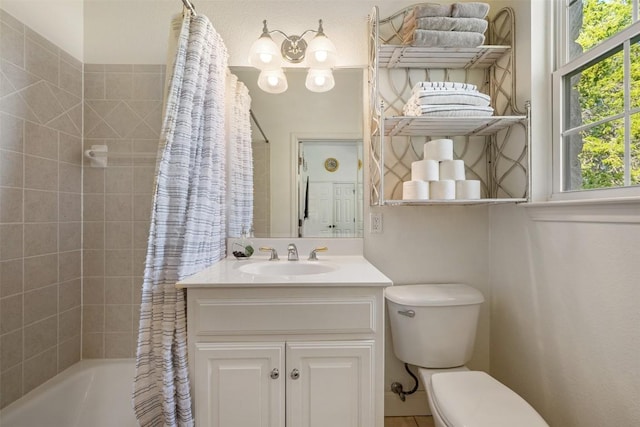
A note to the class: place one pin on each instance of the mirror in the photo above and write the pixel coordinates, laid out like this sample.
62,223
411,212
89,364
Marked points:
297,122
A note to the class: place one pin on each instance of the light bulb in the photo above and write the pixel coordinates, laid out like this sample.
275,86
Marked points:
266,58
321,55
272,81
319,80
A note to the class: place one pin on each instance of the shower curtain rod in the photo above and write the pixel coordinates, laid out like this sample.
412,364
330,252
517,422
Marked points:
253,117
190,6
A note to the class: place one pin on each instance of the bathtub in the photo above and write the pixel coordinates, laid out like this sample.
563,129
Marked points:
94,393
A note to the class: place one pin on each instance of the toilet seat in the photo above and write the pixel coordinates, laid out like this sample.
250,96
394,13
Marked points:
475,399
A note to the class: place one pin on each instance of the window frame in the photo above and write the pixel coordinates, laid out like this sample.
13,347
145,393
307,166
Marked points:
565,67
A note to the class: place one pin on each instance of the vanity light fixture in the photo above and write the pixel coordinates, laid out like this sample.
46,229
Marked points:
320,55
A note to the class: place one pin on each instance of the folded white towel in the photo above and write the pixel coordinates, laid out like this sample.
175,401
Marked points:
452,96
432,9
447,110
444,23
430,38
469,10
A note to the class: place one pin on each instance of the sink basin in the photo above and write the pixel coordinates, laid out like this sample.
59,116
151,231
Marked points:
286,268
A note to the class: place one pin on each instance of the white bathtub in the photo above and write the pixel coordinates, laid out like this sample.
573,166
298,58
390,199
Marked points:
94,393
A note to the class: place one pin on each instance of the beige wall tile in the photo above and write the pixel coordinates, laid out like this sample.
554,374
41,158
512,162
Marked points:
40,271
118,235
70,178
118,290
10,385
10,314
41,174
40,304
93,181
70,149
40,368
92,345
94,207
94,85
118,85
11,241
69,352
119,180
93,237
40,238
93,290
10,277
142,207
70,206
40,141
10,204
118,207
118,345
140,234
70,237
92,318
69,295
40,336
143,179
71,78
12,44
118,318
40,206
139,257
148,86
11,133
69,324
118,262
11,169
93,263
10,350
70,265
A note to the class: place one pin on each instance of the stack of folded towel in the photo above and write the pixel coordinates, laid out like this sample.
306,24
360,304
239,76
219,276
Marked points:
454,25
447,99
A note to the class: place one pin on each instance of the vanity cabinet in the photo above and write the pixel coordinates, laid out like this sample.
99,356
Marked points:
495,148
286,356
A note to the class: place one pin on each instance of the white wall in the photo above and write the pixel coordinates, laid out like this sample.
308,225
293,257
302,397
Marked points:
564,314
59,21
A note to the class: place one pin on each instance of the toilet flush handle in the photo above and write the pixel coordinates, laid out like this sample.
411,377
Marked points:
408,313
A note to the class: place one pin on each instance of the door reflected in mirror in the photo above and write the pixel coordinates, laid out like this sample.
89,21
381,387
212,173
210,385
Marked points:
330,187
288,119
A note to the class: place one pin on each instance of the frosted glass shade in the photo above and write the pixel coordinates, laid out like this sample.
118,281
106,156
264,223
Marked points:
272,81
265,54
321,53
319,80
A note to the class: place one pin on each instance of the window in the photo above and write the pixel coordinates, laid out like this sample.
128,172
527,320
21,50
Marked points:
596,91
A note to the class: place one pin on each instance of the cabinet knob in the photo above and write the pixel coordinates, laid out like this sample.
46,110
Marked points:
295,374
275,374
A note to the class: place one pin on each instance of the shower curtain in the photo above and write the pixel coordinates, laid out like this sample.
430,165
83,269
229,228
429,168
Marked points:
239,158
188,220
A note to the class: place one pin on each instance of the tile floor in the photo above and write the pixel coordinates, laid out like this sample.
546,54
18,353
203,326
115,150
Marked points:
422,421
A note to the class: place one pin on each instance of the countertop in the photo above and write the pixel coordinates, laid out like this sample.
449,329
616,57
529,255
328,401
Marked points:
349,270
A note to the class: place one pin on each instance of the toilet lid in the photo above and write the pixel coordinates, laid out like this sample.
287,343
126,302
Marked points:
443,294
474,399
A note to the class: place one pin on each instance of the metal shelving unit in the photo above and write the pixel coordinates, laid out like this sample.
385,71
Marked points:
496,147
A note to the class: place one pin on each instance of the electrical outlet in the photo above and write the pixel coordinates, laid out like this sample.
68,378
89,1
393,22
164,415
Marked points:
375,223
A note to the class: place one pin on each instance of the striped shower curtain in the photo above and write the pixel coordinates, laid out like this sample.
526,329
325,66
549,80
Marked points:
239,158
188,220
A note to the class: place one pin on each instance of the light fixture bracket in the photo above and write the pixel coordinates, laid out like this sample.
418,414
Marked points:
293,49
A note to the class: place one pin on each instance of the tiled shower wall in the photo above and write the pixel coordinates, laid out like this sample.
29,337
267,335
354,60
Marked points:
40,209
123,110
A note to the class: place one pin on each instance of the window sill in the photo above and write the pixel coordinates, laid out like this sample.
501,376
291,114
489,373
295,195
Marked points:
614,211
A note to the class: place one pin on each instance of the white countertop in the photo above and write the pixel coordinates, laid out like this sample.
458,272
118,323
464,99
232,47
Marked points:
348,270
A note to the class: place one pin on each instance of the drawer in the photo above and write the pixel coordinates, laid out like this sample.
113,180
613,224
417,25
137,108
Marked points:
283,316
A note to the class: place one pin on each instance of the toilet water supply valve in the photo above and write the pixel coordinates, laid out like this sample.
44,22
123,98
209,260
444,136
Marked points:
397,388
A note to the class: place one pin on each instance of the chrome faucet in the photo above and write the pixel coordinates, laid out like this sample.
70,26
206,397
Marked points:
272,252
292,252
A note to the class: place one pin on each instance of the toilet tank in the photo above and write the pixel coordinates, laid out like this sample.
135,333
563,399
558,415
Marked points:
433,326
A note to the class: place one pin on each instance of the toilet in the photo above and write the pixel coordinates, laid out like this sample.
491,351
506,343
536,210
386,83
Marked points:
434,328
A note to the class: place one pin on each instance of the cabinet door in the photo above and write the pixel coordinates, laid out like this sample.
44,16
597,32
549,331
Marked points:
236,385
330,384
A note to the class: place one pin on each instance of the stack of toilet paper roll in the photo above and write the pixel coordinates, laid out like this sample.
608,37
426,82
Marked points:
438,176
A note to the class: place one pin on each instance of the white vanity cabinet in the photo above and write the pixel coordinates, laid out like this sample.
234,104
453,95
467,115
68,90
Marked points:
293,356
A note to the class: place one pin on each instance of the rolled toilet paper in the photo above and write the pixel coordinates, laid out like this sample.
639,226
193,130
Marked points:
415,190
468,189
442,190
438,149
425,170
452,169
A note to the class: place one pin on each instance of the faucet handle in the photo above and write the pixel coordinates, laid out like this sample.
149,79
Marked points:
274,253
313,256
